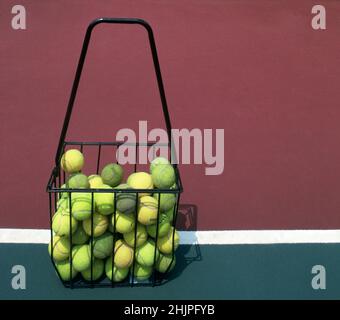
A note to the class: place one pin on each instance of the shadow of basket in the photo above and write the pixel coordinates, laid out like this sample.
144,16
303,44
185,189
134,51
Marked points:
189,250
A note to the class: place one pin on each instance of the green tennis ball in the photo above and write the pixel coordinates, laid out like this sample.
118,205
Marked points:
159,160
166,201
146,253
61,248
104,201
78,181
163,227
123,254
126,202
165,263
119,274
97,270
81,205
163,176
142,273
164,244
170,214
72,161
95,181
80,236
63,203
64,269
112,174
100,224
124,222
140,180
148,209
63,224
141,236
103,245
81,257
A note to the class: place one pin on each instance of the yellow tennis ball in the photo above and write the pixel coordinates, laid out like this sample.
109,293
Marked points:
147,253
63,195
63,203
170,214
104,201
141,236
147,212
140,180
80,236
95,181
103,245
165,263
72,161
97,270
61,248
123,256
81,257
64,269
81,205
166,201
142,273
164,244
119,274
124,222
63,224
100,224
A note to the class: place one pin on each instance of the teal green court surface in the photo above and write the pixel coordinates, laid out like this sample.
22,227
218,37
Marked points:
203,272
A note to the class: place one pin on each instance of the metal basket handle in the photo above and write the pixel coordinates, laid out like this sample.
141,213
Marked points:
80,68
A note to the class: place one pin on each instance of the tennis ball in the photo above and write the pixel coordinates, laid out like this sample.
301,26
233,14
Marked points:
63,195
165,263
163,227
140,180
78,181
81,257
80,236
119,274
123,256
64,269
163,176
142,272
97,270
61,248
81,205
166,201
100,224
164,244
104,201
72,161
112,174
145,254
63,203
148,209
170,214
103,245
95,181
141,236
126,202
62,223
159,160
124,222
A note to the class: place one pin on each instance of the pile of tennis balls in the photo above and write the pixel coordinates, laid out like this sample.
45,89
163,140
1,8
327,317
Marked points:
72,229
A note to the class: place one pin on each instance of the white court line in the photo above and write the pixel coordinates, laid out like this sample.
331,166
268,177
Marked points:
223,237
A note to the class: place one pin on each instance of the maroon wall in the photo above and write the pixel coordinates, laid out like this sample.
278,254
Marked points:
255,68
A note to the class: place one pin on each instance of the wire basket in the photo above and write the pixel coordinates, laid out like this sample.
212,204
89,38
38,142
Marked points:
58,178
